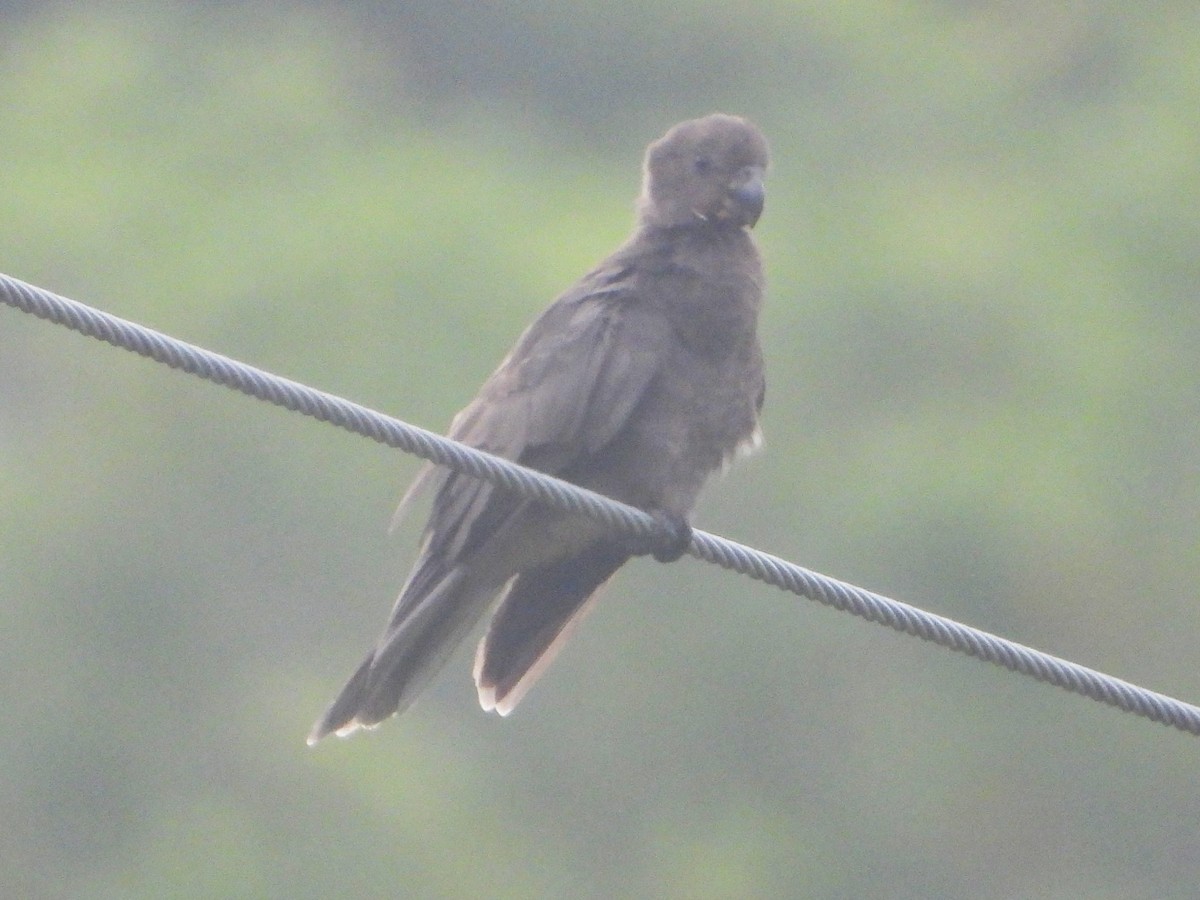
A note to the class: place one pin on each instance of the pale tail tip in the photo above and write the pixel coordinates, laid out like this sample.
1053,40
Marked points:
501,707
320,731
487,697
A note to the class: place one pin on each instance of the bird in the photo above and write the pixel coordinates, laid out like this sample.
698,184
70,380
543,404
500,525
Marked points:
639,382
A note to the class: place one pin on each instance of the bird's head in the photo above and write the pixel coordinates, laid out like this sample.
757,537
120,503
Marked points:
705,171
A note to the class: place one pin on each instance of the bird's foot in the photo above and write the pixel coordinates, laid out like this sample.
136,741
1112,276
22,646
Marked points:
672,537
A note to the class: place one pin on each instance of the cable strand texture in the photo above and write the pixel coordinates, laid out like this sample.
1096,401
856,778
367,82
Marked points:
562,495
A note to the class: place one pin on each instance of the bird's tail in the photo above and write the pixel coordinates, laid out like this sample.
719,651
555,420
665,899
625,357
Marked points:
435,610
538,614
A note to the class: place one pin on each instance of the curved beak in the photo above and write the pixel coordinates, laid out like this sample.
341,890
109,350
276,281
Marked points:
747,194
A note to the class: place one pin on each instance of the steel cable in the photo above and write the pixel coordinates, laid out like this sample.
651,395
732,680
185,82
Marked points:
624,519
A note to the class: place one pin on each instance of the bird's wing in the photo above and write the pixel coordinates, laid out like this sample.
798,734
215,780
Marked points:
562,394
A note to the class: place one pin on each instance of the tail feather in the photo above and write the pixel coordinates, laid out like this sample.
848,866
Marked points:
434,612
342,711
537,615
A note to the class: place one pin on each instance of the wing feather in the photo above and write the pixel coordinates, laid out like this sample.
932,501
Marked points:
567,388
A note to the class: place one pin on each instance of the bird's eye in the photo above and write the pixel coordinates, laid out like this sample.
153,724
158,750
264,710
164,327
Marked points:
702,165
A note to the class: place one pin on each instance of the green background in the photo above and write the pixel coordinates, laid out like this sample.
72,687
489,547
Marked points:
982,239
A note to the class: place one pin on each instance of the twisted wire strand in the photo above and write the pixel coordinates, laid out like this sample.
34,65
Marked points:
621,518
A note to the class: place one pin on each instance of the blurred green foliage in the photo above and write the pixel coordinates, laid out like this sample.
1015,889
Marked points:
982,236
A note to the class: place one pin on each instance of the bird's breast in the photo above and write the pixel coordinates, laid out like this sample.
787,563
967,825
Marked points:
693,419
